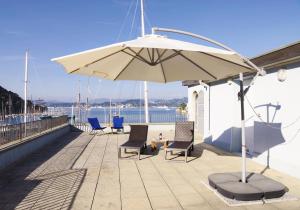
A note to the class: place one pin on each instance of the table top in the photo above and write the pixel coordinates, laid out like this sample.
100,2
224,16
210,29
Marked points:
159,140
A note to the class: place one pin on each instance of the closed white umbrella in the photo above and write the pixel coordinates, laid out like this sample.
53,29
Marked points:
156,58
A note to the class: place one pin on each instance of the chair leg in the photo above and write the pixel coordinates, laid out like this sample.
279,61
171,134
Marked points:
186,151
119,153
139,154
97,133
166,152
191,149
125,151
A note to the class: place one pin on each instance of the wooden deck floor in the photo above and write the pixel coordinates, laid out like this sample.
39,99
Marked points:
84,172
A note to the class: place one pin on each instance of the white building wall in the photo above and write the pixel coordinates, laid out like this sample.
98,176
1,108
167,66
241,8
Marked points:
224,117
191,105
284,127
281,136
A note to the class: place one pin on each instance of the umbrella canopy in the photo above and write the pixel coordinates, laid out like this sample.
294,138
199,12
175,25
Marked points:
156,58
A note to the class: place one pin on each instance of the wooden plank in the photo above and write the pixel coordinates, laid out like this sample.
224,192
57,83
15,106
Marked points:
107,195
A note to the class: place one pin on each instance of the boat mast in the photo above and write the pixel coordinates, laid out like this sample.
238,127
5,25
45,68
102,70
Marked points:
25,86
79,102
87,108
110,113
145,82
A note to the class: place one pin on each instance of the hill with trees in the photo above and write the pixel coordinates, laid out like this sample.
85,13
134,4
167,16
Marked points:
12,103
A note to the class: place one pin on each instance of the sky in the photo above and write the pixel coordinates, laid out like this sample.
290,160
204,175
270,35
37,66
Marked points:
51,29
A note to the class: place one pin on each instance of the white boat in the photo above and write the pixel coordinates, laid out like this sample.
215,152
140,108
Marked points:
162,107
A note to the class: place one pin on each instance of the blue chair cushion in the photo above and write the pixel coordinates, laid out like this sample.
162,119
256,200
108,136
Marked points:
95,123
118,122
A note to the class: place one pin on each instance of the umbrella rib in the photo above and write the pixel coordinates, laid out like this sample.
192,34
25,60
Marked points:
197,65
161,65
152,59
95,61
148,53
171,56
226,60
161,55
138,56
127,65
134,56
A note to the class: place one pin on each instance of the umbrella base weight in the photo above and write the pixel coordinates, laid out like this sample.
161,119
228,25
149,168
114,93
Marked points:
256,187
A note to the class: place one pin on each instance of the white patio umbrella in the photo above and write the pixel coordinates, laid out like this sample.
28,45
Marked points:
156,58
159,59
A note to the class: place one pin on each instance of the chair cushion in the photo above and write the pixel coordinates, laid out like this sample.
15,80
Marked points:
118,122
95,124
116,127
134,144
179,145
138,133
184,131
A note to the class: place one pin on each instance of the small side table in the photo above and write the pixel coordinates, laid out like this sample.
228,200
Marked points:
155,144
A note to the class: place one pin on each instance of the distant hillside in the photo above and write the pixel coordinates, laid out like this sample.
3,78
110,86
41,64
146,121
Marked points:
129,102
12,103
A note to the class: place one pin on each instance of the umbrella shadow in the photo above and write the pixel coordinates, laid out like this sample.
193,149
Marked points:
145,154
227,144
266,135
42,180
196,153
213,147
260,137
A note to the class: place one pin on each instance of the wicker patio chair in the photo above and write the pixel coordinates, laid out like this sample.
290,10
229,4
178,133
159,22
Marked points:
183,140
137,139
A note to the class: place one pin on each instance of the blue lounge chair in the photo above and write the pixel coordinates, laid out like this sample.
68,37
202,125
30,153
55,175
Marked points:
117,123
95,125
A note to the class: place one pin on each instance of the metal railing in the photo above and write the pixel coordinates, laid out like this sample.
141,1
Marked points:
134,119
10,133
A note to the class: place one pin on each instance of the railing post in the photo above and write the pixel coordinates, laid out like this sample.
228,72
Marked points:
20,130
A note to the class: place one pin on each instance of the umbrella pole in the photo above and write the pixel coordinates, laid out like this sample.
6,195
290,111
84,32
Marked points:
146,102
241,95
145,82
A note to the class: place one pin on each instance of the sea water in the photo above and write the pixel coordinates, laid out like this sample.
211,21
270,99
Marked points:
131,115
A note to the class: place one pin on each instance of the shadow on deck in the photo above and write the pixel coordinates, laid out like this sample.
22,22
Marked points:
45,179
